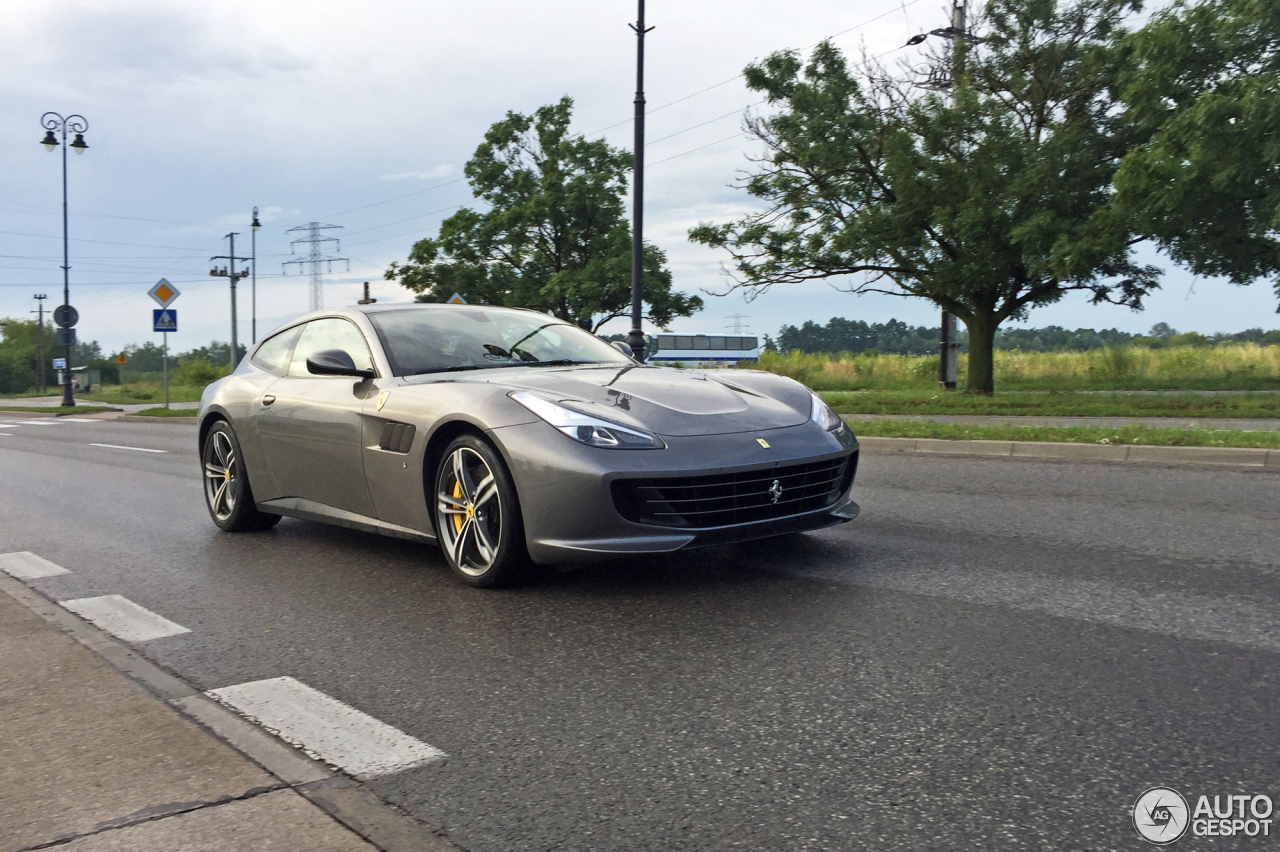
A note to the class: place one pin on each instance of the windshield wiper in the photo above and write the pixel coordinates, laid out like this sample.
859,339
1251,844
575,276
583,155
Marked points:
558,362
451,369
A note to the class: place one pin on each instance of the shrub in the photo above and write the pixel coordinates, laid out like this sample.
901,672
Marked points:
198,372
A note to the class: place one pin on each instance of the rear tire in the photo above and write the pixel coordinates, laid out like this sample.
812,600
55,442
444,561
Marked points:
477,515
227,494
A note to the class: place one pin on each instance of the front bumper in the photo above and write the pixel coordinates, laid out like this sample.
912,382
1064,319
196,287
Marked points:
567,502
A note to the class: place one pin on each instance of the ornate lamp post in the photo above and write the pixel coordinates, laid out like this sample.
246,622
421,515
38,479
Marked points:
253,308
77,124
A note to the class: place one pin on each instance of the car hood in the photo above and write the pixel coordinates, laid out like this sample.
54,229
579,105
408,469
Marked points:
663,400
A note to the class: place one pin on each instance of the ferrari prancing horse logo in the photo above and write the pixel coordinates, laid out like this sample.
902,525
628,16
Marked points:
382,399
775,491
762,442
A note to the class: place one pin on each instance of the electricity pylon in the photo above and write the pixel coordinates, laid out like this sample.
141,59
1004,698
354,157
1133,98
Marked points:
315,257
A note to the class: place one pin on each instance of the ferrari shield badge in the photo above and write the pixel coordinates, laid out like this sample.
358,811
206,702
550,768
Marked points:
762,442
382,399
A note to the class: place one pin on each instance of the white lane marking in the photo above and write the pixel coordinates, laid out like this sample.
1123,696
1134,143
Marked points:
123,618
325,728
7,425
25,565
84,420
135,449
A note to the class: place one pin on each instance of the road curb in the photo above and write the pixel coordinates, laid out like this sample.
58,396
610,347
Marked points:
134,418
1242,457
383,825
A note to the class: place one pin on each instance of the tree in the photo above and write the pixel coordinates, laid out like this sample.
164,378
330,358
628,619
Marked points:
1203,85
987,203
554,237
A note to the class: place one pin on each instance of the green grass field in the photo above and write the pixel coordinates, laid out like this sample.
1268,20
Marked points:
1234,366
1065,404
1066,434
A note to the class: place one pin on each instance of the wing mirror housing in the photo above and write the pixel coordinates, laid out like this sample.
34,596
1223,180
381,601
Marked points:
623,348
335,362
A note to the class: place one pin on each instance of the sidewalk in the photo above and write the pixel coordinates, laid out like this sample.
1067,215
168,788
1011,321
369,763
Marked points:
93,761
88,399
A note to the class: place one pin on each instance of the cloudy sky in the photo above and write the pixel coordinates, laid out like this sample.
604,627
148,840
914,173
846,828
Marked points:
362,115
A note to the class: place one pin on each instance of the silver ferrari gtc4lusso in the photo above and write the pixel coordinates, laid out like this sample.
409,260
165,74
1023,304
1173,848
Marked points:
508,436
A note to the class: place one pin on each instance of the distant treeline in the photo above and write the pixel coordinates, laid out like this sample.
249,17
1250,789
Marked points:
898,338
19,348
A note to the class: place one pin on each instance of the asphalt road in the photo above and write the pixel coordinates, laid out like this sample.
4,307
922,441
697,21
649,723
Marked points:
998,654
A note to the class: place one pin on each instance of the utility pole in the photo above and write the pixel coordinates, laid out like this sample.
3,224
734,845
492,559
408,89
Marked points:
40,338
366,300
636,338
231,273
316,257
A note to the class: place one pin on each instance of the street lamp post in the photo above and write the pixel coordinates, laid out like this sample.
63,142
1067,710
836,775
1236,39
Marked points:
636,338
79,125
253,299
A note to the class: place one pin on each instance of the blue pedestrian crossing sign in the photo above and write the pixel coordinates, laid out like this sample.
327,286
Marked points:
164,319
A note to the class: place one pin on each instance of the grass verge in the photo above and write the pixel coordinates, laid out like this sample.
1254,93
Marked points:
1066,404
1139,435
58,410
165,412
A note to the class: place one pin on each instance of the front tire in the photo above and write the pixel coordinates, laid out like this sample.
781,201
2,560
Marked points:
477,515
227,494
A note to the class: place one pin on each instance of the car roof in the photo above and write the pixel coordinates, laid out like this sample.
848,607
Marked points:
431,306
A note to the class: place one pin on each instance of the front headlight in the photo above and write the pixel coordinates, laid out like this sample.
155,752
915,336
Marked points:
824,415
589,430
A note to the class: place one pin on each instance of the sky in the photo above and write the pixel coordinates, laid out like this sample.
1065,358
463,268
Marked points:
362,115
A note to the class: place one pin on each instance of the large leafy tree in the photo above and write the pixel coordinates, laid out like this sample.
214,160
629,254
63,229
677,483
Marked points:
988,201
1203,82
554,235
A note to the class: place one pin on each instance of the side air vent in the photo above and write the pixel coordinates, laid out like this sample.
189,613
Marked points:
397,437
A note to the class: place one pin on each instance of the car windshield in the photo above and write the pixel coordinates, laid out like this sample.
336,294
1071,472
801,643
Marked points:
459,338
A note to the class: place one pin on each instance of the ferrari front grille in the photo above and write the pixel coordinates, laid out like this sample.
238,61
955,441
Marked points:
724,499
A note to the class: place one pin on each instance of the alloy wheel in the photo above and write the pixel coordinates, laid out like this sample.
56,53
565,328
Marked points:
221,485
470,511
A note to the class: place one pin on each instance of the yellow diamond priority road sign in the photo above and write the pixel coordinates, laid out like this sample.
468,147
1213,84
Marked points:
164,293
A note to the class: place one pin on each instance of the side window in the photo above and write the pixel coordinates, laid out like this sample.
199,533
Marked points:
273,354
319,335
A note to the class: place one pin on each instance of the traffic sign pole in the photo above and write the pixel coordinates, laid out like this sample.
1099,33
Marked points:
166,369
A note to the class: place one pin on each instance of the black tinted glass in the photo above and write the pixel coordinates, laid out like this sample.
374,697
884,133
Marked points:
463,338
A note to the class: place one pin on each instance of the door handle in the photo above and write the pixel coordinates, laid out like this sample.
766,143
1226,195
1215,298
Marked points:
268,399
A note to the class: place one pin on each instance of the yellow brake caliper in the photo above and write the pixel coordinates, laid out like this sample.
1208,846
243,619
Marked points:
457,519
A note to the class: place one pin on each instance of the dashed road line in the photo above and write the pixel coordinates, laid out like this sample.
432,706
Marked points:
327,729
123,618
135,449
25,565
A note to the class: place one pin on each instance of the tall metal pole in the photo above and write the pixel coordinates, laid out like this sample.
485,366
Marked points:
40,338
67,398
234,275
948,347
234,338
253,308
636,338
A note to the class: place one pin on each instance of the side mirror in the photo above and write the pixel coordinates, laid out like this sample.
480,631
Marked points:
335,362
623,348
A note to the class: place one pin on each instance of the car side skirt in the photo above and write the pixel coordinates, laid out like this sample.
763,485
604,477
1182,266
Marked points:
309,510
